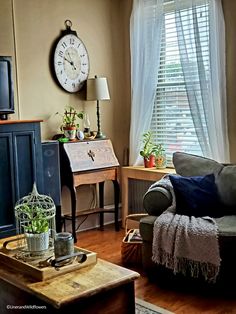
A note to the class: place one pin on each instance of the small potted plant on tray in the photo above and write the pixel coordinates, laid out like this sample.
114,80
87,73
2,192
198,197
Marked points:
69,122
36,228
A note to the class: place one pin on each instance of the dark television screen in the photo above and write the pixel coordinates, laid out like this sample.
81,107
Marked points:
6,87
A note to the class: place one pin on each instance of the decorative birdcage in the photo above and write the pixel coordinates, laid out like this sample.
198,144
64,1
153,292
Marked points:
35,225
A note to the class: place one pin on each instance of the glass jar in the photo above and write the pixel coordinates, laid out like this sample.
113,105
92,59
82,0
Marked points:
86,124
161,161
63,244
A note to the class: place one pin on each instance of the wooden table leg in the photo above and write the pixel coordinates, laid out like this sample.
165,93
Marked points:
116,198
73,212
58,219
101,204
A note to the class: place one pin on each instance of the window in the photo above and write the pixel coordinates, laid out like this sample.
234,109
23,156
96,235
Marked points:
172,123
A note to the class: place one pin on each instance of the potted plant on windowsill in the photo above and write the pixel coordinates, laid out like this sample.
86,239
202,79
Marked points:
153,154
36,228
160,157
69,122
149,150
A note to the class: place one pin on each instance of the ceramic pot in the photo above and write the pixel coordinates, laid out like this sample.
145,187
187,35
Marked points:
37,242
149,162
70,132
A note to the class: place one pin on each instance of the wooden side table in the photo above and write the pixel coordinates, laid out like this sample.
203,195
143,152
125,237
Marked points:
89,162
139,173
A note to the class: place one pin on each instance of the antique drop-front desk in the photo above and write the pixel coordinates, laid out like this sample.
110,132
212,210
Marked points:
89,162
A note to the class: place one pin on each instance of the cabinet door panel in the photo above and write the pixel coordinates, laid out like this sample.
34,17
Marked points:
25,162
7,195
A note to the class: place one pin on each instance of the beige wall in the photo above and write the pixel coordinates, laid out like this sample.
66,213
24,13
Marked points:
99,23
28,29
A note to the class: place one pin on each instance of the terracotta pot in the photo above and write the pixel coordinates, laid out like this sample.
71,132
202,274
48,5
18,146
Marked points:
149,162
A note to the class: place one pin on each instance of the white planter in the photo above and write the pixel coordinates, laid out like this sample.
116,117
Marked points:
37,242
70,133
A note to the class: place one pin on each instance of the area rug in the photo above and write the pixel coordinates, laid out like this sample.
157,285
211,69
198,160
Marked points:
143,307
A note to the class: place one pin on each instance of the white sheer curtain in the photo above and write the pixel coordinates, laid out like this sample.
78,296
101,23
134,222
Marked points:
205,87
204,71
145,39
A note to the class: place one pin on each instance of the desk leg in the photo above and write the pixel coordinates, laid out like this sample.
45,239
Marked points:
58,219
101,204
116,198
73,212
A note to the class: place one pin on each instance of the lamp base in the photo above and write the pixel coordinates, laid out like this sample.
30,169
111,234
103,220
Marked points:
100,135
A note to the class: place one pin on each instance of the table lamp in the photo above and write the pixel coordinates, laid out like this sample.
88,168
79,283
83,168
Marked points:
97,89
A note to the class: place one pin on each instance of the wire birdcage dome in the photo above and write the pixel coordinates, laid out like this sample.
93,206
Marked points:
35,224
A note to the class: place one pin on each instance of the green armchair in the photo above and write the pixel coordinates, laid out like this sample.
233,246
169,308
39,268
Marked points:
157,199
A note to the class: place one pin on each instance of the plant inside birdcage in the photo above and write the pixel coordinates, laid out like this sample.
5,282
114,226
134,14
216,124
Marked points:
35,218
36,227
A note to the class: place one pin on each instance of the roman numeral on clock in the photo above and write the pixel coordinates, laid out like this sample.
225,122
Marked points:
64,45
60,53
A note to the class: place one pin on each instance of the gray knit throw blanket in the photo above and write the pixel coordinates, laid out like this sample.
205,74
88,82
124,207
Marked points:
187,245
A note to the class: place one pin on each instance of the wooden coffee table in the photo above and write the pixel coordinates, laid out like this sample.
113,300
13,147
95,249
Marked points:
100,288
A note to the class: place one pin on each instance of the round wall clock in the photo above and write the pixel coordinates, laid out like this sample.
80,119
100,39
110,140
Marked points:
71,61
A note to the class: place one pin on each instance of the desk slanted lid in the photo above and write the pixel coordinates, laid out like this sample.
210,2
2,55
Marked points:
90,155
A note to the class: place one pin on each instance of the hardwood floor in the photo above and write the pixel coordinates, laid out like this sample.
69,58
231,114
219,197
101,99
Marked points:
107,244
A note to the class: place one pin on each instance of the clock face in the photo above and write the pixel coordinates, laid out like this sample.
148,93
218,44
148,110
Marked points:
71,63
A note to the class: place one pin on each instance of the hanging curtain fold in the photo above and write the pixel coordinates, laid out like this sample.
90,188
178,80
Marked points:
145,38
199,25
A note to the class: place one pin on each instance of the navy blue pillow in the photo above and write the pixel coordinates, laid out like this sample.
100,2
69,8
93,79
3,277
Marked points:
196,196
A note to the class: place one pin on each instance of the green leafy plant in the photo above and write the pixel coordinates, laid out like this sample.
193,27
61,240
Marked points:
149,147
35,220
69,117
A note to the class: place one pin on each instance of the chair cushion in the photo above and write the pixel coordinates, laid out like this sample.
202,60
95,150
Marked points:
192,165
226,228
196,196
225,176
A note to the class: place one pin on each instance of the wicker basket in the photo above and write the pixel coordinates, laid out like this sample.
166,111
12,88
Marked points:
131,252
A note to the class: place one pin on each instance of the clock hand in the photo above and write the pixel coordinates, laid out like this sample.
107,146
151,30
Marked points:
67,60
71,62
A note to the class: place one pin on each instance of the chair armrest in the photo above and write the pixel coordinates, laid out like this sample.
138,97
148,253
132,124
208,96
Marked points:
156,200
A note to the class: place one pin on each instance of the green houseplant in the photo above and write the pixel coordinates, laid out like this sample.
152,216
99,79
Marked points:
69,122
149,149
153,154
36,228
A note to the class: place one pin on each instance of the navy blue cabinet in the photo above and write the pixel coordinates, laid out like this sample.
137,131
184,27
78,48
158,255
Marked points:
20,167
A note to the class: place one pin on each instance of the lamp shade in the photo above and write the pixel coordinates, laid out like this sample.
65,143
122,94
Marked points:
97,89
